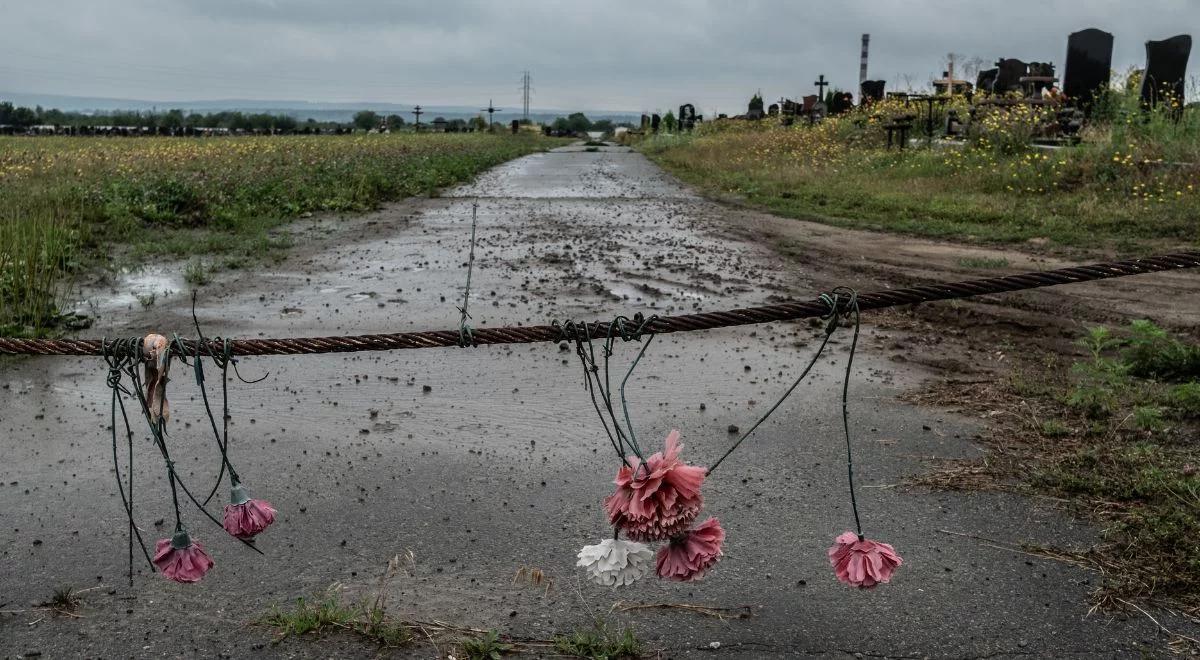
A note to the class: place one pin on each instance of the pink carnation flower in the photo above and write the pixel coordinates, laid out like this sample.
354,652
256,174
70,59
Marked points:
245,517
181,559
862,562
657,500
687,557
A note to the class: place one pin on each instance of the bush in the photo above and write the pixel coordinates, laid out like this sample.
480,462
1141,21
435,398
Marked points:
1185,399
1152,353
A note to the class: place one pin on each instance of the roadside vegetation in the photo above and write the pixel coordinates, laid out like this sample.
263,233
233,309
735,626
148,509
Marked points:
368,619
1132,185
1114,436
68,203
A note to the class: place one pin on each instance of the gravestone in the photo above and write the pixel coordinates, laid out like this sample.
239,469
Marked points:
821,84
1166,65
1040,76
755,109
655,121
1041,69
986,79
645,125
687,117
1089,65
954,125
516,126
870,91
1009,72
840,102
818,113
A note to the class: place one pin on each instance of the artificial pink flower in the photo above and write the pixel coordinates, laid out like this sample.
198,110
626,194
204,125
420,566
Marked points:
688,556
245,517
181,559
862,562
659,499
157,356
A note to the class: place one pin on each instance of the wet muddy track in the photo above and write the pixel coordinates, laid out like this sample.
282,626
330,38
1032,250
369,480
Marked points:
484,460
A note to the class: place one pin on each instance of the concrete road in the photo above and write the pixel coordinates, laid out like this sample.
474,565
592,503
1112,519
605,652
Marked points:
482,461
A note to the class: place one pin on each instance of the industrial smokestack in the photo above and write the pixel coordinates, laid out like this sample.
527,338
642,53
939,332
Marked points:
862,63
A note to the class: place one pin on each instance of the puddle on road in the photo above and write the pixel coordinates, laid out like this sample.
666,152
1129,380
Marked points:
635,290
142,287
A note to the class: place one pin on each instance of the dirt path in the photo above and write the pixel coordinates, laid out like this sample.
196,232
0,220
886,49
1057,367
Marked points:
482,461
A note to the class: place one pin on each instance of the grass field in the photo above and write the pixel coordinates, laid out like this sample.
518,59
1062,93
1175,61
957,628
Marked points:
72,203
1134,185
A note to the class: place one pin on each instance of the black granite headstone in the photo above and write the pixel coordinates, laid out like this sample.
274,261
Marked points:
1089,65
1008,75
1166,66
655,120
840,102
871,91
687,117
985,80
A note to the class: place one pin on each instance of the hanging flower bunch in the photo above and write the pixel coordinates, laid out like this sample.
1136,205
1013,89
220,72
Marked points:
656,500
181,557
659,498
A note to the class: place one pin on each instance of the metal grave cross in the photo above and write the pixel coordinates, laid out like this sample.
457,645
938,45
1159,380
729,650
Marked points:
491,109
821,84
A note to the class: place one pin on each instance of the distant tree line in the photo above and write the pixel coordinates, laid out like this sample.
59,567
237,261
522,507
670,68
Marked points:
23,117
367,120
20,119
176,121
577,122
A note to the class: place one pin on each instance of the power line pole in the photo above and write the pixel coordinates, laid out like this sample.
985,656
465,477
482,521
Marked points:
526,89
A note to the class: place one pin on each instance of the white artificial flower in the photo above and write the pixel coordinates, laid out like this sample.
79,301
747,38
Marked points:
615,563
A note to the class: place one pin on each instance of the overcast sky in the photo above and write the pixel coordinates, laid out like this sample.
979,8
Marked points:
610,54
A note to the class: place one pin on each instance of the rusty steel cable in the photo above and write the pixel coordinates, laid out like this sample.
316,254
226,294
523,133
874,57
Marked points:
790,311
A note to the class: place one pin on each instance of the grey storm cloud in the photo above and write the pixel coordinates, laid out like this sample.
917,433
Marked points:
615,55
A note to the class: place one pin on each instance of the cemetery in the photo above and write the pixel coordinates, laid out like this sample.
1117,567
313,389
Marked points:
1009,158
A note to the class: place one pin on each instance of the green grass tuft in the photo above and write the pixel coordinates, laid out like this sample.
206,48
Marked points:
599,643
487,646
329,614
